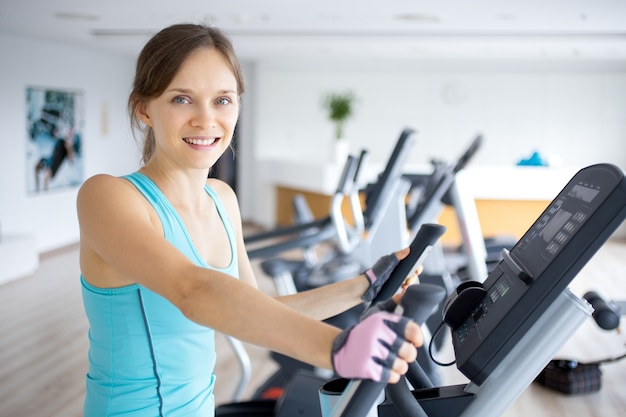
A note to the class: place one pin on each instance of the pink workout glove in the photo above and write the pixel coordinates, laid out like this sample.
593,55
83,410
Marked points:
368,349
378,274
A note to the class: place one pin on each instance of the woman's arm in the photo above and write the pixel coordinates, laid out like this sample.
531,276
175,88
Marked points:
332,299
328,300
121,243
319,303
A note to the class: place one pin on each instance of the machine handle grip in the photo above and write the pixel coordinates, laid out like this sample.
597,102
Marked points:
604,314
418,303
347,175
423,302
425,238
359,166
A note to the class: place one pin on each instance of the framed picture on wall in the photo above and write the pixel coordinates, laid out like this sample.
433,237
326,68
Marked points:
54,124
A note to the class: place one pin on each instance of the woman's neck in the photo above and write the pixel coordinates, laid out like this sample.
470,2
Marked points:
184,188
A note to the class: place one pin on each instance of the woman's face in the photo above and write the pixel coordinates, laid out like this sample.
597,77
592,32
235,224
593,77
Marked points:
194,119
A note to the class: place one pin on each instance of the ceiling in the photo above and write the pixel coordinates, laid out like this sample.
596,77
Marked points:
332,29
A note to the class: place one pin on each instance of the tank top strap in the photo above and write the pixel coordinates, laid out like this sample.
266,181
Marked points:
228,225
157,199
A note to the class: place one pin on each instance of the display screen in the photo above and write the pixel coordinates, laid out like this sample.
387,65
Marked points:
583,192
555,225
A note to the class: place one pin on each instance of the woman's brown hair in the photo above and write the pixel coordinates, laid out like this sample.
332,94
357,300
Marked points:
160,60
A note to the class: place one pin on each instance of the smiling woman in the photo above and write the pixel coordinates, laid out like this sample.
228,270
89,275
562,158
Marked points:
163,262
151,84
203,116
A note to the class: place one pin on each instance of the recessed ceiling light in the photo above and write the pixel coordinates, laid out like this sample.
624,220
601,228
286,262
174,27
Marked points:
417,17
507,17
331,17
76,16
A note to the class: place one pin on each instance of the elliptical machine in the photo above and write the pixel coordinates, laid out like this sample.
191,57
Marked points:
507,328
300,397
389,227
375,237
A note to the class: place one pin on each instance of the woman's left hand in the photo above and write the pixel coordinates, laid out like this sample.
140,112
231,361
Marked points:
381,271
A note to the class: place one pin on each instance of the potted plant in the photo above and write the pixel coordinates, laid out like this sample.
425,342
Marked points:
340,108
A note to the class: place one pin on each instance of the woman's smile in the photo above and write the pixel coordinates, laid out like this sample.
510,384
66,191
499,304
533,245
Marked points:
201,140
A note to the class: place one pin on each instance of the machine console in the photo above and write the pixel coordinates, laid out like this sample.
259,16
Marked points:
539,267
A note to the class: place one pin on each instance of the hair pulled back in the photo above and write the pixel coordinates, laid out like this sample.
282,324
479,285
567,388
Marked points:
161,59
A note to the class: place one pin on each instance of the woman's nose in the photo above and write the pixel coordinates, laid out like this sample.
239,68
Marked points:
205,116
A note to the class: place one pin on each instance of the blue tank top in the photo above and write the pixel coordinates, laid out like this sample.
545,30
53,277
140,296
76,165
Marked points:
146,358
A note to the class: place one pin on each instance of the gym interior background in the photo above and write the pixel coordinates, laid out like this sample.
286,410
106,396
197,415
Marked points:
571,109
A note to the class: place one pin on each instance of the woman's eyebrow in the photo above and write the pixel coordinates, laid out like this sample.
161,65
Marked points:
188,91
179,90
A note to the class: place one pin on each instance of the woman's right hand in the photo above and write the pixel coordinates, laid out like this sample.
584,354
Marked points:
379,348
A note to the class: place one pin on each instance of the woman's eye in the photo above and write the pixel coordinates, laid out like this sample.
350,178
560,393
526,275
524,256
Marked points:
223,100
180,100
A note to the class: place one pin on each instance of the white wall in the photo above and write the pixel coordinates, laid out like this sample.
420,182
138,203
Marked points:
573,111
107,145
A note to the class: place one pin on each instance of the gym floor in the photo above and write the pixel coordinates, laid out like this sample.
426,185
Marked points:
44,345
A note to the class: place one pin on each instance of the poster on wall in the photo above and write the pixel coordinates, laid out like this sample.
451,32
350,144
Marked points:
54,124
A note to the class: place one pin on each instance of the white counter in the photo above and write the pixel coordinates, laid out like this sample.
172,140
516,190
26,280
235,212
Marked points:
517,182
313,177
488,183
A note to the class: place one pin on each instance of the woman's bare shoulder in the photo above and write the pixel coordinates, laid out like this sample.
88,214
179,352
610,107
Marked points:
223,190
105,182
227,195
103,190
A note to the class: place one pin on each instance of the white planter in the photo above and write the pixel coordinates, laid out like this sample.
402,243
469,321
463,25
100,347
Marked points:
339,151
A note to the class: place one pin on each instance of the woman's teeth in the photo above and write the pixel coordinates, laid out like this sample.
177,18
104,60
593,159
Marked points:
202,142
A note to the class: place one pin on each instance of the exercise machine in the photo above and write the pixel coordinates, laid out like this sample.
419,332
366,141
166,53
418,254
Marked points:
446,186
507,328
304,234
389,227
428,194
291,276
300,397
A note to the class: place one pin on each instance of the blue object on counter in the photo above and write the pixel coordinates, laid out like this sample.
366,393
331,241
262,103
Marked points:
534,160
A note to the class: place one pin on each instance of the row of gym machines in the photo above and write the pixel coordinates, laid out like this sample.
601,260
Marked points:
507,312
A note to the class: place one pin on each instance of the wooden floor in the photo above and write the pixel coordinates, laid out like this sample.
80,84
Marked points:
43,346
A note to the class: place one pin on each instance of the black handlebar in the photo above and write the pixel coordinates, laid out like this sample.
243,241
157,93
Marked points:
375,199
425,238
469,153
347,175
361,161
418,303
604,314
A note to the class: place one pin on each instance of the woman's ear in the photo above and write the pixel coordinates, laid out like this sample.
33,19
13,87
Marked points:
142,114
